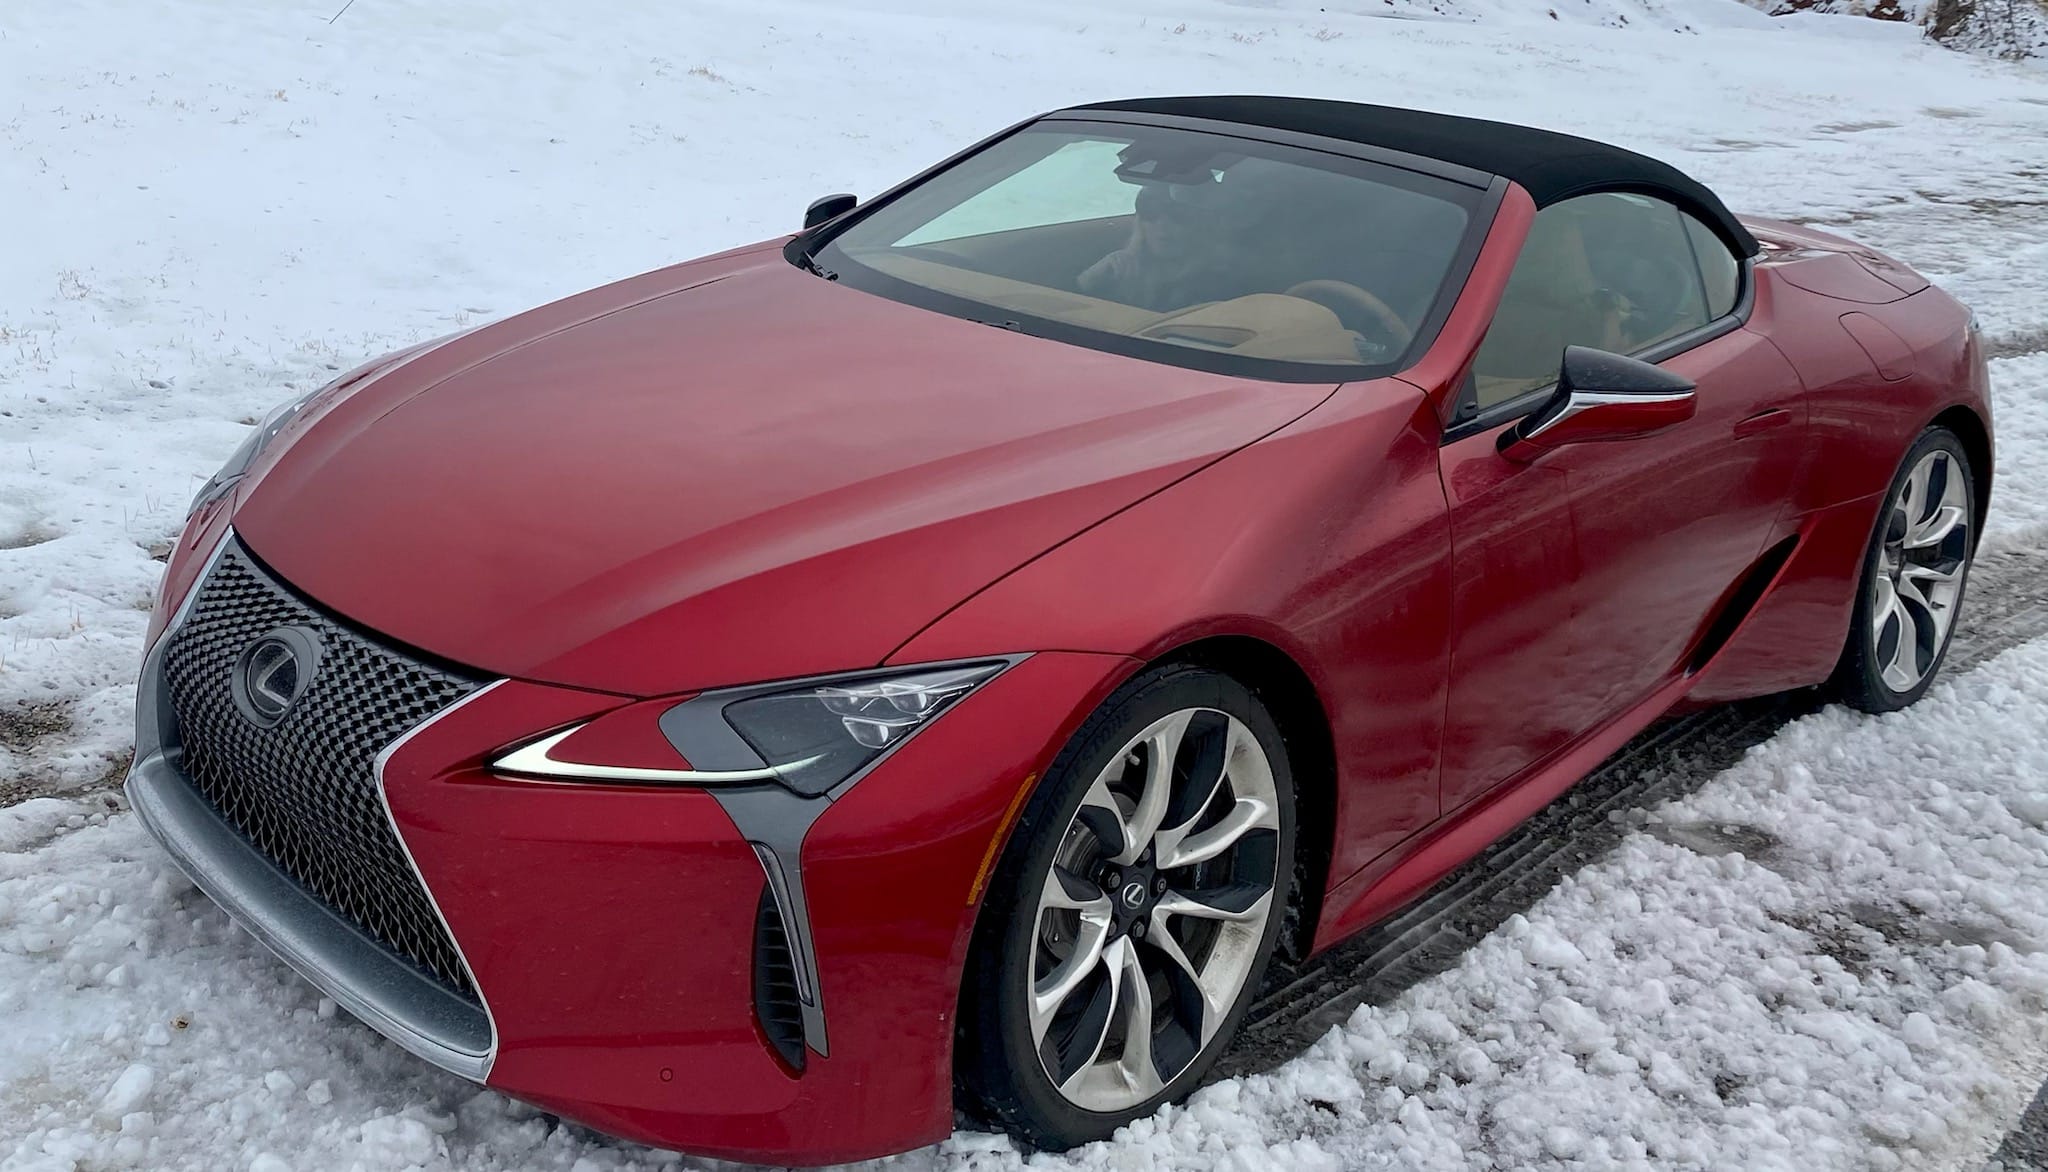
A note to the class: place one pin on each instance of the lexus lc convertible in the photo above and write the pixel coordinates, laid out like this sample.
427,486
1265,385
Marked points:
939,658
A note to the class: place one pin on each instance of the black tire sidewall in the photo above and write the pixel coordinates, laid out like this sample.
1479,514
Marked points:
1858,680
999,1067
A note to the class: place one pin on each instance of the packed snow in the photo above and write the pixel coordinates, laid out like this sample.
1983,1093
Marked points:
210,204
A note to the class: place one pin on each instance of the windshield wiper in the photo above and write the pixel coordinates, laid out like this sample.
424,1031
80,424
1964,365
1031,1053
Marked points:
810,265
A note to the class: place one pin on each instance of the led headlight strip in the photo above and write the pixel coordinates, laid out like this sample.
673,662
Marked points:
808,735
537,760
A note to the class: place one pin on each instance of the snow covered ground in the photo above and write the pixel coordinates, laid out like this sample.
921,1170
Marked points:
205,204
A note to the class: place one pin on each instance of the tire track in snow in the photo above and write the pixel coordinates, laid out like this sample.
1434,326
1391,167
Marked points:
2007,605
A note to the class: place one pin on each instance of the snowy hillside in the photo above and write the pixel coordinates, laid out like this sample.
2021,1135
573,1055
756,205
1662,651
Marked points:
1665,15
207,204
2012,29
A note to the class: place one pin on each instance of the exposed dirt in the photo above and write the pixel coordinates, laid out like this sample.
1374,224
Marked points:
24,538
24,725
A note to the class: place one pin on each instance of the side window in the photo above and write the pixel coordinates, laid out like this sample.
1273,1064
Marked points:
1718,266
1613,271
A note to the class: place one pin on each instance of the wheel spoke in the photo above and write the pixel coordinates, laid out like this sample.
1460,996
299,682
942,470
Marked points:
1238,903
1066,891
1084,1044
1053,990
1922,577
1908,595
1936,528
1896,638
1913,499
1140,1071
1242,765
1163,941
1925,622
1248,814
1103,817
1884,611
1162,746
1208,772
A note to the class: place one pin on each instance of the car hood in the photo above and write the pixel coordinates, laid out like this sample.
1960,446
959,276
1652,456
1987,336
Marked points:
718,473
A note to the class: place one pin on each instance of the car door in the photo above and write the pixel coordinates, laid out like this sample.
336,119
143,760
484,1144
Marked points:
1583,578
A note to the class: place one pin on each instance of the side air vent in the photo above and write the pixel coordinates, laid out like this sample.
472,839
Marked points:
1742,599
775,995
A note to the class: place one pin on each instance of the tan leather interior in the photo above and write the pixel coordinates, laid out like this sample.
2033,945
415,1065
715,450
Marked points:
1550,302
1260,325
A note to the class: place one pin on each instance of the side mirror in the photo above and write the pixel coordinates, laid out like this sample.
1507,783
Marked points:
828,208
1600,397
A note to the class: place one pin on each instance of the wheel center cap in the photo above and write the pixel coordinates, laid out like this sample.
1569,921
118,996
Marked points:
1135,891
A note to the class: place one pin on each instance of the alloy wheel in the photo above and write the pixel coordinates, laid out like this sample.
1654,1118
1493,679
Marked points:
1151,917
1920,569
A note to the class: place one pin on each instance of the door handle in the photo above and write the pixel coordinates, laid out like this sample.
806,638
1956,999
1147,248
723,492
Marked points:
1761,422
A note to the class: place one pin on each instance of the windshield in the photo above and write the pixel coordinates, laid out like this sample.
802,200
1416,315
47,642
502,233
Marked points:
1172,244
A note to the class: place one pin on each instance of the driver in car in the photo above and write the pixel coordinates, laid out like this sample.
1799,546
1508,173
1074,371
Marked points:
1173,259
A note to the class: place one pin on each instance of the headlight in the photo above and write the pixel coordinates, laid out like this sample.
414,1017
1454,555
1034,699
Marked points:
818,736
253,446
809,737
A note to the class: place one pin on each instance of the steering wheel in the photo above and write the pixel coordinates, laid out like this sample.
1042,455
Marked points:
1349,302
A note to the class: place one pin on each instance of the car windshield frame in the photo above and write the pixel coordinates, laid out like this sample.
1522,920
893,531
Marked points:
1477,194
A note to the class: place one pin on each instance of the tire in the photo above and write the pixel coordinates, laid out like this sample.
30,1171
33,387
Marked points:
1914,574
1074,1077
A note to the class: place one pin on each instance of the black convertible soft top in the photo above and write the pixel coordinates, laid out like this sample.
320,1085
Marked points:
1552,167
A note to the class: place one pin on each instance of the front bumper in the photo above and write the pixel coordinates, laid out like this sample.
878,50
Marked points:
610,931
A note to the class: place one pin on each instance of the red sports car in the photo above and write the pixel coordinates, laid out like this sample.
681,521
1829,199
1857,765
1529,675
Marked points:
940,657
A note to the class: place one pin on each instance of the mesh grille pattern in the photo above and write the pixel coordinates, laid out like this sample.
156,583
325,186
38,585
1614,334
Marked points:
304,791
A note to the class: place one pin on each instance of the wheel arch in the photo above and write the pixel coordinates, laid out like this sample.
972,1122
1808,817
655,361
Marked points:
1969,427
1296,705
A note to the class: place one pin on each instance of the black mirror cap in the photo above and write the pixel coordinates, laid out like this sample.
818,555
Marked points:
1587,369
829,207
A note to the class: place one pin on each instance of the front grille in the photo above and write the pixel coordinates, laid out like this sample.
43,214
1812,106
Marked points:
775,995
304,790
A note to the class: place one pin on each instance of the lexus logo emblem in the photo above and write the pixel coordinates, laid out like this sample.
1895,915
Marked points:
1134,894
273,673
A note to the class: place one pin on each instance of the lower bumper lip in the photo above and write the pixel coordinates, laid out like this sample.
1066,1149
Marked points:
398,1002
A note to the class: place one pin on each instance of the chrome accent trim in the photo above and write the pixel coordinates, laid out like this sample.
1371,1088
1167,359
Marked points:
490,1055
775,820
537,760
1581,401
779,891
